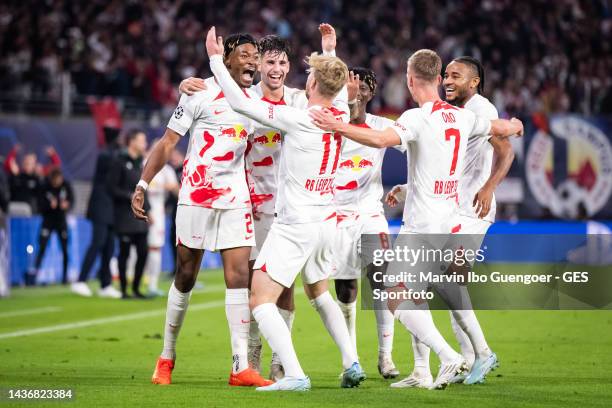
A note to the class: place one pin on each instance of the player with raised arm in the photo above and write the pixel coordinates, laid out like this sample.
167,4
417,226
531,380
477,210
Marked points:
463,84
262,160
304,227
358,192
214,210
436,135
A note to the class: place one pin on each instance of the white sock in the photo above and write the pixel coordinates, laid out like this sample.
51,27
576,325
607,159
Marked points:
333,320
420,323
154,264
385,325
349,311
288,316
278,336
421,359
467,351
238,318
467,321
175,314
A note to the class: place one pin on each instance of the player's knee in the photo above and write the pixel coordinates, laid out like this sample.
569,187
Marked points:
346,290
237,276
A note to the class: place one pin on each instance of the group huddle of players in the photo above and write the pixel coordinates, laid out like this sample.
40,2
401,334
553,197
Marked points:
283,181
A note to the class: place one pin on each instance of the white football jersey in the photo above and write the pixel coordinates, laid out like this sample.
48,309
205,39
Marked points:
156,192
478,161
358,186
213,171
309,156
263,155
436,136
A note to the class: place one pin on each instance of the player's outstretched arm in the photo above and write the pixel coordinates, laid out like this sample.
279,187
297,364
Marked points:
504,156
506,128
325,120
191,85
160,154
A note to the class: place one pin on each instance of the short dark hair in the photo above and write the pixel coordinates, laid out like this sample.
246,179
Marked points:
234,40
131,135
274,45
477,66
366,75
54,172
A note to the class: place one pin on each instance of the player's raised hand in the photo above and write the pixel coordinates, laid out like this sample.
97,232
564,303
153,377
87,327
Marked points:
328,37
482,202
352,86
324,119
192,85
214,44
138,204
396,195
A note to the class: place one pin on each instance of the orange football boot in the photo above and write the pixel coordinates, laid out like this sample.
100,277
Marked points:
163,371
248,378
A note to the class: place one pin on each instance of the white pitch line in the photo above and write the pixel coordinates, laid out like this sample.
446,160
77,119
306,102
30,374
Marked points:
104,320
26,312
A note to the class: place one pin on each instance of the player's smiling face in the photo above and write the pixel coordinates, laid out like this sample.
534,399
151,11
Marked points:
274,68
242,64
458,80
364,95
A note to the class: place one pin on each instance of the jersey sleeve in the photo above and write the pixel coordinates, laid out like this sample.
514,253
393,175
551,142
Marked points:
280,117
407,127
340,102
184,114
482,127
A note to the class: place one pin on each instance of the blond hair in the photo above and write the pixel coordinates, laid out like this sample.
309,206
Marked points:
330,73
425,64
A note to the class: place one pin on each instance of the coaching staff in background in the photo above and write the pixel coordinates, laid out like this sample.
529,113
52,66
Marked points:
100,213
124,175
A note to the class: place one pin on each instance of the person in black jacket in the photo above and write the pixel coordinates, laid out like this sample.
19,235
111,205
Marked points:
100,213
56,199
122,180
25,184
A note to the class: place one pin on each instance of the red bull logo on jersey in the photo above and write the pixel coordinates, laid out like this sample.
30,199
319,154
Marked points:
356,163
269,139
237,133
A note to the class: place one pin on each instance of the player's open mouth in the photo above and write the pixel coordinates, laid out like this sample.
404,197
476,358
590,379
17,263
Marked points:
248,74
276,77
450,90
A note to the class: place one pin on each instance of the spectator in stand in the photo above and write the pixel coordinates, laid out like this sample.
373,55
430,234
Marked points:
554,50
124,175
56,199
101,214
25,181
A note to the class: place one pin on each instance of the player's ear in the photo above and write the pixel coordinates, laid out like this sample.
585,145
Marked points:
474,82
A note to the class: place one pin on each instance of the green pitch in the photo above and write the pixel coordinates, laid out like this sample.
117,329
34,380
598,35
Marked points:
105,350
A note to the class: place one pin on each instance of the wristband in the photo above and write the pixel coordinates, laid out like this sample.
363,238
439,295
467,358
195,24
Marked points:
143,184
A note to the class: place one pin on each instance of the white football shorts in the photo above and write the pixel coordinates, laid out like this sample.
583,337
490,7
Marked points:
348,248
214,229
262,227
291,249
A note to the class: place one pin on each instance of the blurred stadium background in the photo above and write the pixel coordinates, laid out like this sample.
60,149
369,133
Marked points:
69,68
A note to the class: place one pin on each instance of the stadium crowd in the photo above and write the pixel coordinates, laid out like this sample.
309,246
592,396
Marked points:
140,50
